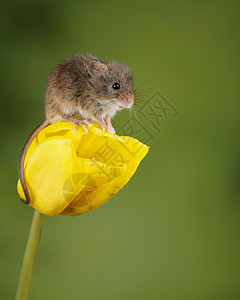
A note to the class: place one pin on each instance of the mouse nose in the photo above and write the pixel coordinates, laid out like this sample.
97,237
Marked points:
130,100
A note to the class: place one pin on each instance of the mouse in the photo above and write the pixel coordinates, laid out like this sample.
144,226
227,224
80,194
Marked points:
83,89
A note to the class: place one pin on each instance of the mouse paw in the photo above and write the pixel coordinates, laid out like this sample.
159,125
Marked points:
82,123
103,125
109,128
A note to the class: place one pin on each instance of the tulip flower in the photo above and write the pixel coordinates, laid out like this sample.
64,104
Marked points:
71,172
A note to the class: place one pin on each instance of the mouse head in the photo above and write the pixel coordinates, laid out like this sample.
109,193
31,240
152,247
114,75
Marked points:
113,83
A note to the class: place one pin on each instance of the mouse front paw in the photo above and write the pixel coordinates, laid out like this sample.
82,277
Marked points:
110,128
102,124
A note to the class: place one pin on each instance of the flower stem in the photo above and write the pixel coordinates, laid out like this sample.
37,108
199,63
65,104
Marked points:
29,256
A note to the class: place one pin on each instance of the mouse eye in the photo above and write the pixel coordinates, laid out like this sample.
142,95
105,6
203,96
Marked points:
116,86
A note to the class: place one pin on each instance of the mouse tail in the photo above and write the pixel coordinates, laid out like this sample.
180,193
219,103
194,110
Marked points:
22,158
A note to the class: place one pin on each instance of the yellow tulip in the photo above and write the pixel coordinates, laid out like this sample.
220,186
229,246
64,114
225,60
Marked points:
71,172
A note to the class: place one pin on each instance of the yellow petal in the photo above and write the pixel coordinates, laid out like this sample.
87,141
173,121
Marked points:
50,164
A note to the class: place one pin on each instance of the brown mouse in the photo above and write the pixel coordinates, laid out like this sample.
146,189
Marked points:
82,89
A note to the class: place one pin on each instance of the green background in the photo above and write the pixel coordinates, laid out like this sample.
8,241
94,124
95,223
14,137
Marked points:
172,232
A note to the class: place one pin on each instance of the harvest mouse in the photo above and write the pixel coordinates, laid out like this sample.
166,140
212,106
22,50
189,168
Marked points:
82,89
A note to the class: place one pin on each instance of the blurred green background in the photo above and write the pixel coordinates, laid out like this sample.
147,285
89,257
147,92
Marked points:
172,232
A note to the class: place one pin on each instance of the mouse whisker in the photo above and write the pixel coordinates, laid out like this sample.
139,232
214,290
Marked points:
130,111
143,83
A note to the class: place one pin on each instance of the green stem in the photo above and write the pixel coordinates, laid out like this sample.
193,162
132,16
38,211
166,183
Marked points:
28,260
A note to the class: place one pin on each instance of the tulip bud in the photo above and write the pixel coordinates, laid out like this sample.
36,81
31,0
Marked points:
71,172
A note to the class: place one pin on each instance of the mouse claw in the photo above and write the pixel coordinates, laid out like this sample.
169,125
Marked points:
82,123
102,124
85,128
112,131
87,123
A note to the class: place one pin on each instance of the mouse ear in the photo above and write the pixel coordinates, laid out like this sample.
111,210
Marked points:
97,67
